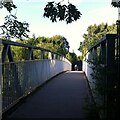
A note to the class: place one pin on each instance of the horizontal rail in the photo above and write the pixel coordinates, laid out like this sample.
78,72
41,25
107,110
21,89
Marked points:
102,40
8,42
7,51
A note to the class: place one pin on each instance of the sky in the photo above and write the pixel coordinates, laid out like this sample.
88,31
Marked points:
93,12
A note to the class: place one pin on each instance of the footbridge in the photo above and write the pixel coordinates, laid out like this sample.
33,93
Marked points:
47,88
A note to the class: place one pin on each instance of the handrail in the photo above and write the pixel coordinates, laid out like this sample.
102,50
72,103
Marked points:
102,40
107,49
8,42
7,50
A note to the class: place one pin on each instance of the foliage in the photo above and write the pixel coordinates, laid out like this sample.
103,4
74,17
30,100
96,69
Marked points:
98,74
12,27
72,57
56,11
116,4
105,79
79,57
95,33
56,43
8,4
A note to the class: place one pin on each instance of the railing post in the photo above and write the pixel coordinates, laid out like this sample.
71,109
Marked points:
102,58
110,52
118,67
42,54
103,53
50,55
94,52
54,56
30,54
10,55
110,60
60,57
7,51
89,69
0,80
90,55
4,53
57,56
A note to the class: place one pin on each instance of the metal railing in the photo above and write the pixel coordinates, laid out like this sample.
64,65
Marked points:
7,51
101,67
22,77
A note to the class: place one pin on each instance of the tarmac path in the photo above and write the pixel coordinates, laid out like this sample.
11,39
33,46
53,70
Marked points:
64,96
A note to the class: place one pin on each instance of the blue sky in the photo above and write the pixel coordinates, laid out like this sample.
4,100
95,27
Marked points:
93,12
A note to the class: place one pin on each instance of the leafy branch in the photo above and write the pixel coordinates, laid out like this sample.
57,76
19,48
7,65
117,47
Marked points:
12,27
8,4
116,4
55,11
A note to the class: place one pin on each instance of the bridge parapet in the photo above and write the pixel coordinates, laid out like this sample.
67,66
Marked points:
22,77
102,51
101,65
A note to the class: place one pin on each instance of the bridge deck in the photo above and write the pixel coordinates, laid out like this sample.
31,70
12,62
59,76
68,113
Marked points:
65,96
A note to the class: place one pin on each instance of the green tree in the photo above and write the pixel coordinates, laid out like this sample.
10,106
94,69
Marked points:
95,33
12,27
72,57
56,43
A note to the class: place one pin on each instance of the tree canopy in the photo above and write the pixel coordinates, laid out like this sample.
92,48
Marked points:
56,43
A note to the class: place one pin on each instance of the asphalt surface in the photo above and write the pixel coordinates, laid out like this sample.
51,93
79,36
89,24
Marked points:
65,96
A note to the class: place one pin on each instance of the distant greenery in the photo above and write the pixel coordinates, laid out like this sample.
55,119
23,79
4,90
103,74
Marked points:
56,43
72,57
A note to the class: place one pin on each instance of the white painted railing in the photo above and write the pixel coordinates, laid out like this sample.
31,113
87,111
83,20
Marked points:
21,78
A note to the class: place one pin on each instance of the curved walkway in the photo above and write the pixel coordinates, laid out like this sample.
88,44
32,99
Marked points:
65,96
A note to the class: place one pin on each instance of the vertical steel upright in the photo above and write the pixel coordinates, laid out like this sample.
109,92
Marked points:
118,62
0,79
116,3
